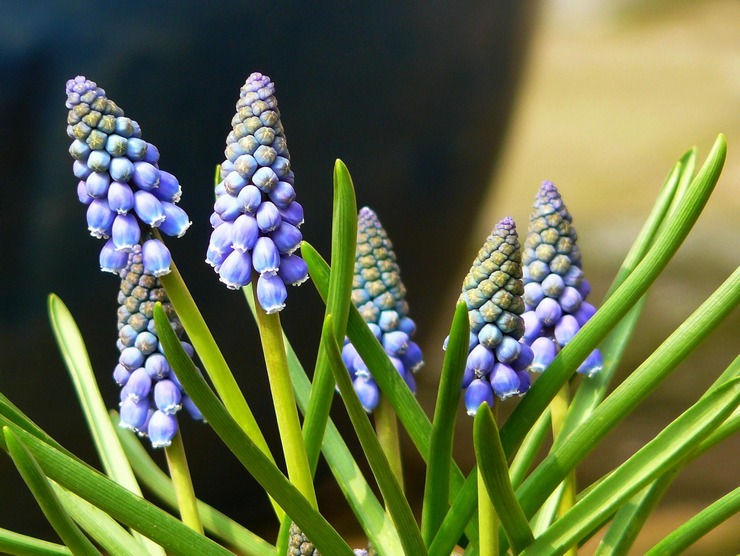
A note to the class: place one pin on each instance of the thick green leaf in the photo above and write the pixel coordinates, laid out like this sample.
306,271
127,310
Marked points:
115,500
616,307
105,530
44,494
23,545
493,468
396,502
529,449
657,457
261,467
216,523
699,525
461,512
629,394
437,480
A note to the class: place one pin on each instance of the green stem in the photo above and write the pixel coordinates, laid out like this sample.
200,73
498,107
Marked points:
386,427
488,521
184,492
271,335
559,411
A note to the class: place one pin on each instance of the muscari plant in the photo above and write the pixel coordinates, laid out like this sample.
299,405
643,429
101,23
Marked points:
522,329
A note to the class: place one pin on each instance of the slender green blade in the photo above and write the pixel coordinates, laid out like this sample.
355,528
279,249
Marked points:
658,456
437,480
527,452
115,500
395,500
461,512
699,525
105,530
23,545
493,468
261,467
43,492
216,523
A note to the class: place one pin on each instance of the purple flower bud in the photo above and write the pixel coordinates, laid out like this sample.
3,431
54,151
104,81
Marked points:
584,313
215,258
566,328
156,257
100,218
293,270
508,349
121,375
191,408
265,179
525,381
122,169
573,277
176,220
221,238
287,238
524,360
570,300
96,185
533,294
584,288
168,189
544,353
133,414
549,311
271,293
152,154
120,197
293,214
553,285
504,381
125,232
136,149
532,326
98,161
162,429
480,361
112,260
167,397
227,207
145,176
148,208
478,392
282,194
131,358
80,170
249,199
395,343
146,342
234,183
349,353
407,325
412,358
367,392
236,270
265,257
592,365
139,384
360,367
268,217
245,164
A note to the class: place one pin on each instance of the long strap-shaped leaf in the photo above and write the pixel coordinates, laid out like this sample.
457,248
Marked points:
42,490
396,502
495,472
658,456
23,545
116,501
313,524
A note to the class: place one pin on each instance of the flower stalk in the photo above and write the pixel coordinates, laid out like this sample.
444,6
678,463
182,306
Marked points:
182,483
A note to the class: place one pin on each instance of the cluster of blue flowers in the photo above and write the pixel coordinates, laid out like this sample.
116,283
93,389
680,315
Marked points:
497,361
256,220
379,296
151,395
555,290
120,180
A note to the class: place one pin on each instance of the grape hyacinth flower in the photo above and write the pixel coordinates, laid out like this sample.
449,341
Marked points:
120,180
379,296
151,395
256,219
555,290
497,361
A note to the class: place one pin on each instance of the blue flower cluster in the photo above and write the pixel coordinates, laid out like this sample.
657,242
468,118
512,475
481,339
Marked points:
497,361
151,395
555,290
379,296
256,220
120,180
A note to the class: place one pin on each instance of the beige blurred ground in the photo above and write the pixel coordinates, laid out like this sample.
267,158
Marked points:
613,95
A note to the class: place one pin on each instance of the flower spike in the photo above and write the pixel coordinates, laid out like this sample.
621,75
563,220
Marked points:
555,290
492,291
379,296
151,394
256,218
120,180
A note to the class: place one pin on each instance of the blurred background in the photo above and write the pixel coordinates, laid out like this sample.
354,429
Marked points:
448,118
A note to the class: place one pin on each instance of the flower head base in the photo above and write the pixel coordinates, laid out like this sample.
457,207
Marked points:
555,290
120,180
379,296
492,291
256,220
151,394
